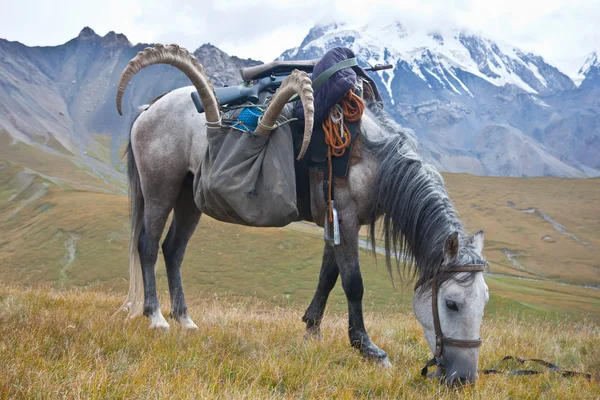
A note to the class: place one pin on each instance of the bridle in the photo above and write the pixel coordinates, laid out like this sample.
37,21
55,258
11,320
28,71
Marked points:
440,340
438,360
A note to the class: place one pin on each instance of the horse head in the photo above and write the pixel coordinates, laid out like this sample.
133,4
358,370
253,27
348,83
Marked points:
456,296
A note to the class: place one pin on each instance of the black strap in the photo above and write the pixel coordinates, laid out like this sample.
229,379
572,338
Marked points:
551,367
435,361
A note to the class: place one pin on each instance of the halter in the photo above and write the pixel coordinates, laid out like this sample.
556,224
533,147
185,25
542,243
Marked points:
437,359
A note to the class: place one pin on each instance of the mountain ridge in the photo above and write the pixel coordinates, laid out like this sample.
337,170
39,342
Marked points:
466,104
453,88
67,93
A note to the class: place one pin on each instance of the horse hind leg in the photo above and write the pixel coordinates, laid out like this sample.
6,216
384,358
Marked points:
155,218
185,220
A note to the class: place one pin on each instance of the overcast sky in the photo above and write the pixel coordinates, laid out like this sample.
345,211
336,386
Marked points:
563,31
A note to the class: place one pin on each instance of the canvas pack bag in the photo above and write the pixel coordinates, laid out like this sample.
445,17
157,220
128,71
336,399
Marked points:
248,179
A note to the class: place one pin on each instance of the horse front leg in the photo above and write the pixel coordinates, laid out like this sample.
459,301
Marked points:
327,279
346,256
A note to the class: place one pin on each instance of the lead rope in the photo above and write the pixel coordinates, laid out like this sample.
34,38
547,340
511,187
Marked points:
494,370
551,367
337,134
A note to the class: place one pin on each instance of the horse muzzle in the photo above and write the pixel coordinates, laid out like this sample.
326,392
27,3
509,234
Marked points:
460,366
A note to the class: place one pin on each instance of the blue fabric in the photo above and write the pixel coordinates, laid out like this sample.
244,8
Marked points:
248,119
334,88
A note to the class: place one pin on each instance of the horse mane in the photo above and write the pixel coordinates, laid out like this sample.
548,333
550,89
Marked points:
410,197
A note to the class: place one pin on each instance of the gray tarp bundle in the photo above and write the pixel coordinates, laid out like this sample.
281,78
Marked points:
248,179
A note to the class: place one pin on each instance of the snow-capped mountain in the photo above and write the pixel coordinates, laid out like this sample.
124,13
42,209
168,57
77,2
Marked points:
590,71
437,55
477,105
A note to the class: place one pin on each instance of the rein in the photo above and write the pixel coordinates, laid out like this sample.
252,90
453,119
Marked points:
551,367
440,340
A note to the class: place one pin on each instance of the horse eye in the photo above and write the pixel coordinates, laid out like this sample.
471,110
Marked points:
451,305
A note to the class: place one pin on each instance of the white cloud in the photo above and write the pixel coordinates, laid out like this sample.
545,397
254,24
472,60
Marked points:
560,30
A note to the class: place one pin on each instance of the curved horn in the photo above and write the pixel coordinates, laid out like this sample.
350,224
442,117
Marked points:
182,60
298,82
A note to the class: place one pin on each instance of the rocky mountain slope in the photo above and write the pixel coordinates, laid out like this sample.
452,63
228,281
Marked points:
478,106
65,95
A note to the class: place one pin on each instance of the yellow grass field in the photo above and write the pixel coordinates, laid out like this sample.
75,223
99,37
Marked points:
573,203
66,344
63,273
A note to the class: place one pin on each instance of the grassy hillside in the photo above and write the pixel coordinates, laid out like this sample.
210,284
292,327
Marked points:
504,208
72,237
50,160
63,263
66,344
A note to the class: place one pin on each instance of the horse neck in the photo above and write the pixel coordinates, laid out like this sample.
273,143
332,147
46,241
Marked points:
417,214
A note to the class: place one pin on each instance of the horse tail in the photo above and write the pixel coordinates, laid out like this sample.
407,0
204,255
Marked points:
135,298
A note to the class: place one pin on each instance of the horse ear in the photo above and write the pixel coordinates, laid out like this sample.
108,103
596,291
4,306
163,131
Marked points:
478,241
451,247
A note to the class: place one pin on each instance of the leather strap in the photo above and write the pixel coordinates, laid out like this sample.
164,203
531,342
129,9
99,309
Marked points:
467,343
551,367
433,362
350,62
466,268
494,370
436,320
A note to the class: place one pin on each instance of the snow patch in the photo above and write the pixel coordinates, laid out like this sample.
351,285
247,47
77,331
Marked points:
388,83
590,62
536,73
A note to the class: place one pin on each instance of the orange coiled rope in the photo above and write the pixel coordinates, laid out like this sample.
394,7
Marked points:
337,135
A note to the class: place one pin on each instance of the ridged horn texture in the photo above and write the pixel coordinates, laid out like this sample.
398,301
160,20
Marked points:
298,82
181,59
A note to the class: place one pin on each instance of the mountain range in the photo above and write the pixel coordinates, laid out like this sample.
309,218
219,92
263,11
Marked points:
476,106
61,99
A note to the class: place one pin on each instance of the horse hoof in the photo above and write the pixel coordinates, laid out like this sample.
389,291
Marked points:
313,334
159,326
187,324
158,322
384,362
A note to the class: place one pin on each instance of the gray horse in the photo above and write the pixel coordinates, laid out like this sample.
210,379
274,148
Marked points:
390,184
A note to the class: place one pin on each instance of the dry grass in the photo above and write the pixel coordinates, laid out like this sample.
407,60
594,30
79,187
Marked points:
247,289
61,167
573,203
65,344
276,265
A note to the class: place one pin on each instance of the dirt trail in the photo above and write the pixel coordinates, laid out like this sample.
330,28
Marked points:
557,227
71,247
